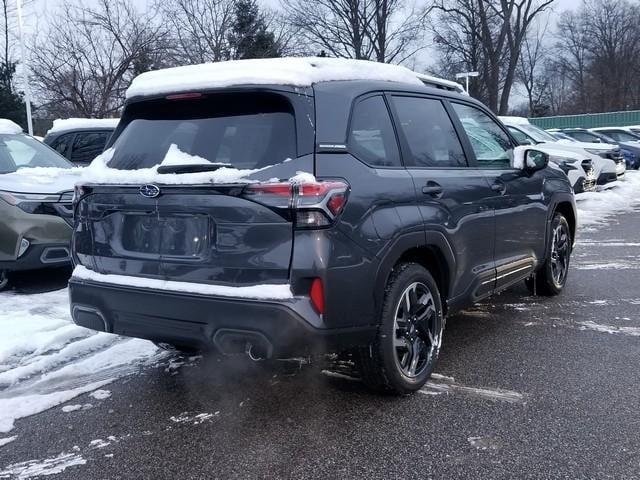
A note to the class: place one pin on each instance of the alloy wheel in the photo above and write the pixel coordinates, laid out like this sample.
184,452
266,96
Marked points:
417,332
559,254
4,279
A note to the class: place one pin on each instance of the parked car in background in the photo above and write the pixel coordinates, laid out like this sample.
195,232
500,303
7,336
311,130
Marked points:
606,169
80,140
629,151
36,190
619,134
263,223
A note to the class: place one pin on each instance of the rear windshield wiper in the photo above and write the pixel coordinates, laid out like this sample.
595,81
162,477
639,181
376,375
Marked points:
193,168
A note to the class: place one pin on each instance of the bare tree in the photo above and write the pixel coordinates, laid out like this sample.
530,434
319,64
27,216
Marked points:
497,29
530,71
381,30
85,60
199,29
597,48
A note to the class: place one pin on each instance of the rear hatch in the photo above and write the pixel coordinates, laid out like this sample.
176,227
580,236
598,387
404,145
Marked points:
229,231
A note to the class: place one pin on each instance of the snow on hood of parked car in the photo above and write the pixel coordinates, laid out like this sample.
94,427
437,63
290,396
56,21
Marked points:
8,127
558,153
66,124
99,172
44,180
297,72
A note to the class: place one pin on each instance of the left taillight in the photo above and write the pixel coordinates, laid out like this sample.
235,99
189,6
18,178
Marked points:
315,204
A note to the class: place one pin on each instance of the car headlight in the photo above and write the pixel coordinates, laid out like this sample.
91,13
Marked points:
29,202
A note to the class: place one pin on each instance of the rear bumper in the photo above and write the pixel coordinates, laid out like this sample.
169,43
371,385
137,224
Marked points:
39,256
279,328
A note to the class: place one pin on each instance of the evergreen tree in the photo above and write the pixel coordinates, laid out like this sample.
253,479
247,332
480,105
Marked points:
11,104
250,37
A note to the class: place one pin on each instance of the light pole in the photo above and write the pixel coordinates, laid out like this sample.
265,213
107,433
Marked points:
465,75
25,73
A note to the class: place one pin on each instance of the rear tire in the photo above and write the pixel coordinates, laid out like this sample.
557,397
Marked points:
551,278
408,341
4,280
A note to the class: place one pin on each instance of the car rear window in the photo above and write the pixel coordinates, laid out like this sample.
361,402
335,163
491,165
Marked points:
247,131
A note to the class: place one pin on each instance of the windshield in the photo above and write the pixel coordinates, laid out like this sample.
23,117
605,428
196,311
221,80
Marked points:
22,151
621,136
536,133
246,131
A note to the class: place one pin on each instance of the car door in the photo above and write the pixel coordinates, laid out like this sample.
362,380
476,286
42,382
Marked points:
519,203
454,199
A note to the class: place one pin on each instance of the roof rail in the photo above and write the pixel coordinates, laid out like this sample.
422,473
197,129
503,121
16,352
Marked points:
441,83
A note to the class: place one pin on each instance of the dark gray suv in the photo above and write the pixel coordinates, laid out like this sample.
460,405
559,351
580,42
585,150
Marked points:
410,207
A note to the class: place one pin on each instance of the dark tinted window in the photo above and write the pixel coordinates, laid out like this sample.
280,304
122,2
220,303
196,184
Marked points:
429,132
490,143
87,146
244,130
372,138
61,144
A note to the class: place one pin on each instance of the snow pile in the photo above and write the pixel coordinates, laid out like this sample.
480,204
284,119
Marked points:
258,292
46,360
297,72
64,125
9,128
100,173
595,207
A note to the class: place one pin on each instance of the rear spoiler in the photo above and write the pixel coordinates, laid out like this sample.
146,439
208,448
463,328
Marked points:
440,83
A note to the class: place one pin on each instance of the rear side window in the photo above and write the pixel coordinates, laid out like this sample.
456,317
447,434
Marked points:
87,146
490,143
371,137
429,132
245,131
61,144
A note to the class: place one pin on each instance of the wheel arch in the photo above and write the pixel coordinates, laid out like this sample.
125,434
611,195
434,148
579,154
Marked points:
436,256
567,209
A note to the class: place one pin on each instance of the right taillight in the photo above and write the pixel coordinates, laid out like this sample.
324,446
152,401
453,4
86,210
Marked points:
315,203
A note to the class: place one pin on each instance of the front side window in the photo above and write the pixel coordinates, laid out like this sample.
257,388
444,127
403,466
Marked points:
371,135
621,136
61,144
429,132
88,146
489,142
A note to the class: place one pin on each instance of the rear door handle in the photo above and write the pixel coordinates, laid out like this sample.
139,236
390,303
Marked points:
499,187
432,188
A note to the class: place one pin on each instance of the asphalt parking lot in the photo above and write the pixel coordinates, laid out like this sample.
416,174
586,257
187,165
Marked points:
525,388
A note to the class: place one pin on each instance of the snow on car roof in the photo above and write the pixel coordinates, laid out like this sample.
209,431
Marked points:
9,127
297,72
66,124
514,120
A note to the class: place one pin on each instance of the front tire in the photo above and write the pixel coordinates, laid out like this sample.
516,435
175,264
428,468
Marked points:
551,278
408,341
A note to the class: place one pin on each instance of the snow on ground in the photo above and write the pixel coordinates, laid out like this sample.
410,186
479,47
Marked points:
595,207
46,360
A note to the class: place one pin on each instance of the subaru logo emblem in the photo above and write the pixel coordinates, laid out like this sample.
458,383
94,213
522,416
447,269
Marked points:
149,191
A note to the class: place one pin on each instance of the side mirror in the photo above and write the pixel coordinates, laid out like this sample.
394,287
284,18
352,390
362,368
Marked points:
535,160
529,159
